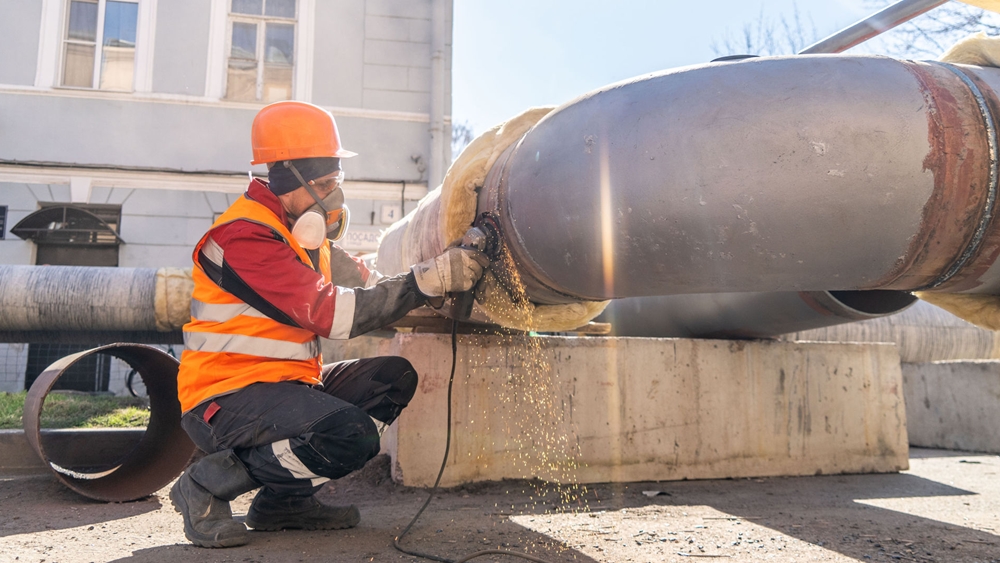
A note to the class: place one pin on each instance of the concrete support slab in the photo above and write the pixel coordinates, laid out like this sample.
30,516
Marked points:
641,409
954,405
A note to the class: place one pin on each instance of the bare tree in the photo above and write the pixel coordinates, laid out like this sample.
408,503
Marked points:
461,136
931,34
926,36
785,35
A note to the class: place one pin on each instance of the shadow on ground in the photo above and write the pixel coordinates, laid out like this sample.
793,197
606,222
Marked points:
40,503
829,518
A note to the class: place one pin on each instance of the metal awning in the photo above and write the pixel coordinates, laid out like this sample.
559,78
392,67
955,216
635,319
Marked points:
67,225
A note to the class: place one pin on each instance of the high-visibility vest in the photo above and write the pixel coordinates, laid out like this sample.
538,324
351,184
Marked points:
228,344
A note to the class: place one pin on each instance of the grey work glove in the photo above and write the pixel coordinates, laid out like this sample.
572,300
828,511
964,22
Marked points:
453,271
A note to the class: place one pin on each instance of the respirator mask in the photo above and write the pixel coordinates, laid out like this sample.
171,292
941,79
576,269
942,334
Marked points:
327,218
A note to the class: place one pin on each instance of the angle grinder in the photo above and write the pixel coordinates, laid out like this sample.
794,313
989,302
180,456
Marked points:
483,236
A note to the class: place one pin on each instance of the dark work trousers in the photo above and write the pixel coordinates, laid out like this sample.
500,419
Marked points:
294,437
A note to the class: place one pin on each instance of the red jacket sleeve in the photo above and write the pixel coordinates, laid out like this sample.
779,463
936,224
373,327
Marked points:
273,270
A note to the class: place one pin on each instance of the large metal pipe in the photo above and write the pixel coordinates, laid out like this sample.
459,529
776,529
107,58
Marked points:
923,333
783,174
747,315
806,173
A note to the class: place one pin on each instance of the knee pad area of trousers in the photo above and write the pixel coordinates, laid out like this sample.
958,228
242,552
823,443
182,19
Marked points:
343,442
399,373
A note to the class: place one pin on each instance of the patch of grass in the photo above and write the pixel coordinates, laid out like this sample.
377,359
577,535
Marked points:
11,408
77,410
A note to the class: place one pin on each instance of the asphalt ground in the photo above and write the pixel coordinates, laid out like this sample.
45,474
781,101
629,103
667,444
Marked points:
945,508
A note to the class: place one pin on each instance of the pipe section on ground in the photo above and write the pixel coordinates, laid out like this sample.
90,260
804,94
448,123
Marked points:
747,315
807,173
160,456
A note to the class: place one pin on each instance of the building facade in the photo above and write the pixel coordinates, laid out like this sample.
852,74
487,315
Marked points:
125,124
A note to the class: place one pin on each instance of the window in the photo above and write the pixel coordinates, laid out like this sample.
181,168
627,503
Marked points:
3,221
99,45
261,46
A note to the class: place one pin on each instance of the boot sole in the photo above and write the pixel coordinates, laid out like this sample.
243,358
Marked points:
181,507
296,525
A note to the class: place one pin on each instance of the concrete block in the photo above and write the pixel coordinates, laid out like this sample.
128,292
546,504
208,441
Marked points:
19,28
401,53
392,142
640,409
420,30
155,256
338,69
385,77
182,32
387,27
417,102
399,8
954,405
419,79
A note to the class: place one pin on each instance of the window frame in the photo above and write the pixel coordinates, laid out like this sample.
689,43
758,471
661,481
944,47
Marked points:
3,222
261,21
95,80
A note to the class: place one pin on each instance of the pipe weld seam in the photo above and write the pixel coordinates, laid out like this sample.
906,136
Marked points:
991,193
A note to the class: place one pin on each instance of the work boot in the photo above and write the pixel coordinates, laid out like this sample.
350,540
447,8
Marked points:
270,512
202,496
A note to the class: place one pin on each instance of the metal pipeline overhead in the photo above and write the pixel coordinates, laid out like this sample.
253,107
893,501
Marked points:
784,174
93,305
805,173
747,315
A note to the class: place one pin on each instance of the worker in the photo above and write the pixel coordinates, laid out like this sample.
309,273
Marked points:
268,283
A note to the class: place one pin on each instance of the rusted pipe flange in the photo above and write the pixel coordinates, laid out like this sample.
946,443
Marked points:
165,448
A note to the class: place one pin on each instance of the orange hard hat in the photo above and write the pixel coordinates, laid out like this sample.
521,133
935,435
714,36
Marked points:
292,130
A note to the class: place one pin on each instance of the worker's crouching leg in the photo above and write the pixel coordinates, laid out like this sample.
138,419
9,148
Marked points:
202,496
293,470
381,386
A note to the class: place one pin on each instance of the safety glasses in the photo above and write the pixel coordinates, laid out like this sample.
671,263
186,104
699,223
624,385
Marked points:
329,184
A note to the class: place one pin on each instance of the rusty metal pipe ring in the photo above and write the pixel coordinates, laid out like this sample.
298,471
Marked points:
989,123
160,455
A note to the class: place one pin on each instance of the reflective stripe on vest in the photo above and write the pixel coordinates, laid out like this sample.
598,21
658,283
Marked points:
222,312
250,345
343,320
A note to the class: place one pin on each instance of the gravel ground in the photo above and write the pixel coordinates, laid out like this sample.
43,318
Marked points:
946,508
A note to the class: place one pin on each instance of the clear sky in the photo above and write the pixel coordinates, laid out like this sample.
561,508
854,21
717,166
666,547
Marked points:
513,54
